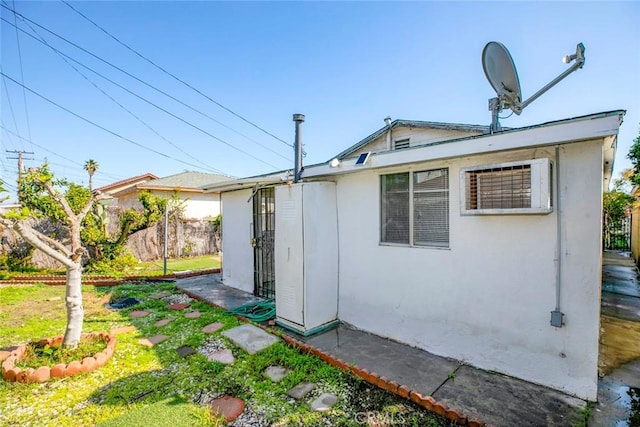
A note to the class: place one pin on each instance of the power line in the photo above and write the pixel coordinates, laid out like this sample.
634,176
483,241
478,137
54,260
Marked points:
119,104
24,18
149,102
99,126
19,158
13,116
117,178
175,77
24,94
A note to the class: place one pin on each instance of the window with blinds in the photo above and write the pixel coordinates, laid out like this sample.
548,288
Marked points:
516,187
415,208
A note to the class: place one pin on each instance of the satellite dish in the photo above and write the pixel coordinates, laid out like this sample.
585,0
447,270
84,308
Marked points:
501,73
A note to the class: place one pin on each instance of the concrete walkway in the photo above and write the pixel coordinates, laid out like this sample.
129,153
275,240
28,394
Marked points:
620,286
490,397
619,389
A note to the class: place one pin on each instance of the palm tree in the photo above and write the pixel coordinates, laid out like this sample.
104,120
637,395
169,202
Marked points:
91,166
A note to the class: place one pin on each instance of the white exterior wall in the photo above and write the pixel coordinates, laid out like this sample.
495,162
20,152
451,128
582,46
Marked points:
129,201
487,299
237,219
417,136
198,206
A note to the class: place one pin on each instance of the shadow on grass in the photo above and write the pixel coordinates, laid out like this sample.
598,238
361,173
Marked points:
173,411
157,384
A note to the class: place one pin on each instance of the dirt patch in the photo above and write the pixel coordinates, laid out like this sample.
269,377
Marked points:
619,343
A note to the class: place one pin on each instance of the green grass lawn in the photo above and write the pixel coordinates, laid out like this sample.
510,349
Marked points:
157,387
148,268
155,268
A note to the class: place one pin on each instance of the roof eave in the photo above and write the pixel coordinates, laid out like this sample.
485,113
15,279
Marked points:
601,125
413,123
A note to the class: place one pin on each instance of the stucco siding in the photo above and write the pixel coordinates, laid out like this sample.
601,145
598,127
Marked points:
237,253
201,205
197,206
417,137
487,298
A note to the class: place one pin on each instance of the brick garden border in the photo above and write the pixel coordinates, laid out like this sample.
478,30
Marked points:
426,402
12,373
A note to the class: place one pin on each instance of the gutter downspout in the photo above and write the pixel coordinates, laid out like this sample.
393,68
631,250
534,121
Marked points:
298,118
557,316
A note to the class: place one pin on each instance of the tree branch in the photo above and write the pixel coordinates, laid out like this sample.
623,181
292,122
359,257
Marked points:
40,241
60,199
96,198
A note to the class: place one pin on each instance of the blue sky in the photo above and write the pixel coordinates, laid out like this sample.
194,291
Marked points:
346,66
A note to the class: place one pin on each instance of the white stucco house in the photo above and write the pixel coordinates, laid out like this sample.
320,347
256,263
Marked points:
185,186
477,246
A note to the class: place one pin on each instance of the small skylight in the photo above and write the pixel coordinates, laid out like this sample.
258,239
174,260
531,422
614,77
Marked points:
362,160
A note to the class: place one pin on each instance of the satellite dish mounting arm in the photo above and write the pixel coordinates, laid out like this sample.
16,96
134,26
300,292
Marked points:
501,73
578,57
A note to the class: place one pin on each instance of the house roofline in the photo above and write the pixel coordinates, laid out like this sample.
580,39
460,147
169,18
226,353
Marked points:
415,124
594,126
249,182
582,128
107,187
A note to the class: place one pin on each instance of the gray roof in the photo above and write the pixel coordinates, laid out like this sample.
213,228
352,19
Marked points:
186,179
414,124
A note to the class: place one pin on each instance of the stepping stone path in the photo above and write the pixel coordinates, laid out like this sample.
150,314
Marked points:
192,314
123,329
227,406
212,327
276,373
301,390
139,313
159,296
162,322
222,356
150,342
250,338
178,306
324,402
185,350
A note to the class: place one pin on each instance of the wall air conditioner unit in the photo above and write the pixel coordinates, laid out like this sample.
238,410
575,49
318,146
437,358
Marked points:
513,188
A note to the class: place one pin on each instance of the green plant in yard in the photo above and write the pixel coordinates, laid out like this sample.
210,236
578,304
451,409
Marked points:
40,196
38,354
155,386
582,418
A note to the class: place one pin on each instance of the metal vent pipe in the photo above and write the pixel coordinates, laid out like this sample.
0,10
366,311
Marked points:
298,118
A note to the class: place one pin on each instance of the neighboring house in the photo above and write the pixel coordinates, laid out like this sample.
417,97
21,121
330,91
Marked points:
482,247
185,185
123,186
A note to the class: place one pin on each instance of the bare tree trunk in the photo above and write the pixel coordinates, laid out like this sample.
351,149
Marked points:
75,311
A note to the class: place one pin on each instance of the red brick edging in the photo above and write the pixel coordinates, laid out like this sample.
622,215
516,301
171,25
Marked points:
426,402
12,373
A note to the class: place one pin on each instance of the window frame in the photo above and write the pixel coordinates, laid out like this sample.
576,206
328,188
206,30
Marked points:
541,188
411,211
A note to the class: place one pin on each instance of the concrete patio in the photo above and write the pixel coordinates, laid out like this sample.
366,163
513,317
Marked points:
488,396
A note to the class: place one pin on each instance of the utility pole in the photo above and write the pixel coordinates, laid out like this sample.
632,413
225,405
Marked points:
20,159
20,165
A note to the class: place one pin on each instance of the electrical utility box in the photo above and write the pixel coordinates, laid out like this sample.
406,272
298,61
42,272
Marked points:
306,256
